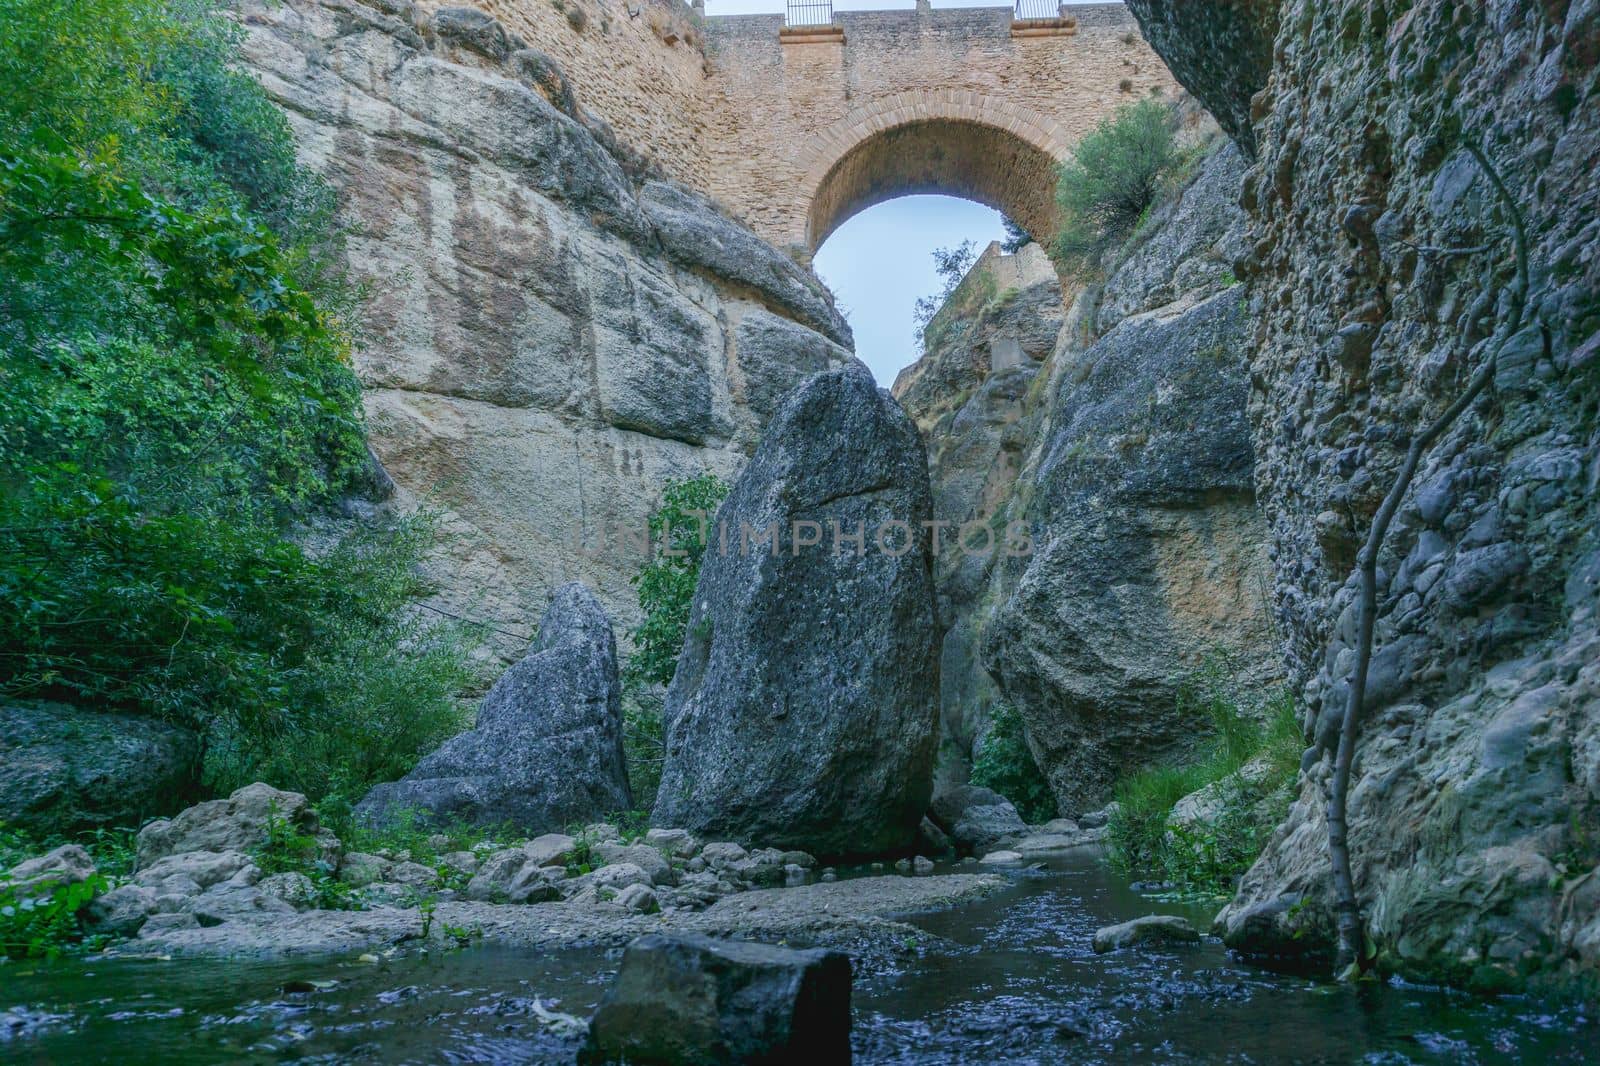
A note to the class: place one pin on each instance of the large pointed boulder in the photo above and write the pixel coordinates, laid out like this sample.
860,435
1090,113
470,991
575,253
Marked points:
803,711
547,747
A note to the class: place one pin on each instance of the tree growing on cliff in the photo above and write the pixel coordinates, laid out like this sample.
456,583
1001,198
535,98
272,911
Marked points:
1116,172
951,264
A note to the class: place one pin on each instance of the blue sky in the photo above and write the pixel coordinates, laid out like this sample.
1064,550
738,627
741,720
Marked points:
880,262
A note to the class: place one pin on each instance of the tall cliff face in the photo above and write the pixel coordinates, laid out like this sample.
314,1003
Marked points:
1123,445
968,396
1381,272
551,334
1148,549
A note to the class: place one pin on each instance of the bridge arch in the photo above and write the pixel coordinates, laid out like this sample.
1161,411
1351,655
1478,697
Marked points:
961,143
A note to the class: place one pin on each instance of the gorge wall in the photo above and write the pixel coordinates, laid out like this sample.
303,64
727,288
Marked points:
551,333
1115,429
1381,270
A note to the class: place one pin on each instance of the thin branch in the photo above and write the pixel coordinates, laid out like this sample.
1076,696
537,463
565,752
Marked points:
474,622
1347,909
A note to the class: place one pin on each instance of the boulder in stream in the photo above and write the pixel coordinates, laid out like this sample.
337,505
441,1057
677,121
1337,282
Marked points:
692,999
1152,928
803,713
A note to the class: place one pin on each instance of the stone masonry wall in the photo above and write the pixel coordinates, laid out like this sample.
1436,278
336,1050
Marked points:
779,115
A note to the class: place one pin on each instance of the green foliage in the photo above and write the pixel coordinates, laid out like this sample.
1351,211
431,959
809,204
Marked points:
177,405
951,264
1016,237
1206,856
287,850
1116,173
413,831
1005,764
43,921
680,530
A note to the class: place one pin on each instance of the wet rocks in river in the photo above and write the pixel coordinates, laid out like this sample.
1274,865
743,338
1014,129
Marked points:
1152,928
803,710
976,818
547,747
691,999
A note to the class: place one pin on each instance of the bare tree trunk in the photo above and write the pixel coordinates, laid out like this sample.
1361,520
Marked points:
1352,955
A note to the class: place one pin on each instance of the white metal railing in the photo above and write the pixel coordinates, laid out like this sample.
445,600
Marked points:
1028,10
811,13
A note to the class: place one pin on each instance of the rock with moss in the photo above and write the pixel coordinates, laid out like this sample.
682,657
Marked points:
65,768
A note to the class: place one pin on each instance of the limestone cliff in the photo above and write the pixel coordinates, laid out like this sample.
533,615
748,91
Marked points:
985,347
1381,271
1121,441
551,333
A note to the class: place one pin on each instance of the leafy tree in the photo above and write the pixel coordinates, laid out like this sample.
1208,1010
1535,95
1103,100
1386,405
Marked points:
680,530
1116,172
1004,763
1016,237
178,413
951,264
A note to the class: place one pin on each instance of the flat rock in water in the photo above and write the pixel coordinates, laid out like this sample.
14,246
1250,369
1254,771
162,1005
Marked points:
547,747
694,1000
1001,858
1152,928
1053,843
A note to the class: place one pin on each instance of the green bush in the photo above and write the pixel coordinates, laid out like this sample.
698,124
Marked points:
680,529
1206,857
177,408
1004,763
43,921
1116,172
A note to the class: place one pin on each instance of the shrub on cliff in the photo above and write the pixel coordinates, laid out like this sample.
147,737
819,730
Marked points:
1116,172
177,403
1004,763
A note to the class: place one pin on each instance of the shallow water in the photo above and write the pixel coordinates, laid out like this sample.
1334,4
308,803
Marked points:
1008,980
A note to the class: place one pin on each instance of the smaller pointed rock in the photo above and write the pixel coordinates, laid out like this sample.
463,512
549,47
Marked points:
547,747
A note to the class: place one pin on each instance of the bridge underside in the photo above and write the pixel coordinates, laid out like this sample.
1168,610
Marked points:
959,158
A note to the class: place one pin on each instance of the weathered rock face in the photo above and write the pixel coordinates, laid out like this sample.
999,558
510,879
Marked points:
1221,51
239,823
545,345
547,747
984,350
1477,784
1148,553
803,710
63,768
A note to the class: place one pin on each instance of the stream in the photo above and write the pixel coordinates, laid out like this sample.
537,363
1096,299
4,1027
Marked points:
1010,979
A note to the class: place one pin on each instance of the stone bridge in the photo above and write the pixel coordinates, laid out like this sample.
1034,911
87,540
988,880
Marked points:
805,127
